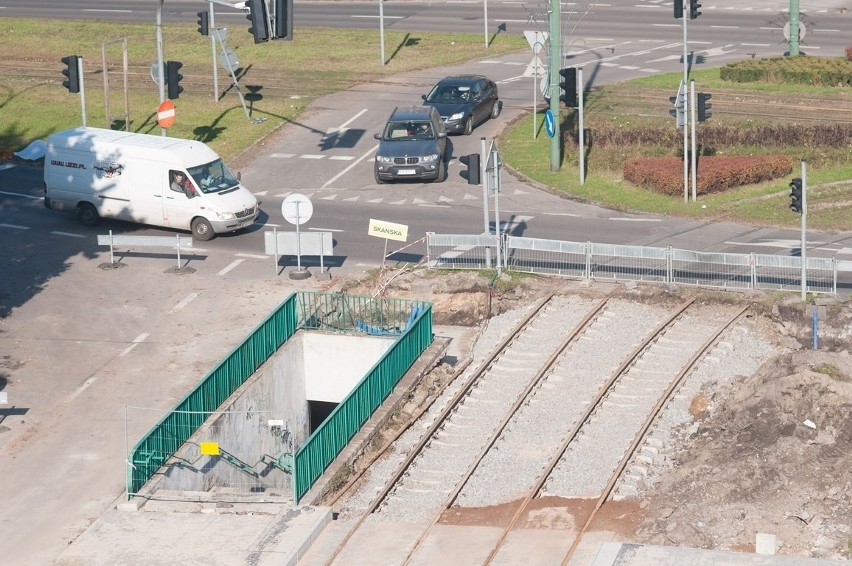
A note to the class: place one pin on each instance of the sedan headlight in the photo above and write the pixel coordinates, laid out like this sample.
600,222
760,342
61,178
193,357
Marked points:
457,116
429,158
383,159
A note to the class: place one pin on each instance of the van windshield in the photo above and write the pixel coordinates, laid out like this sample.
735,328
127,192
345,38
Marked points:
213,177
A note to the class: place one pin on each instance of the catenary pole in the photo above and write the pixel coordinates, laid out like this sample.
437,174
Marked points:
555,65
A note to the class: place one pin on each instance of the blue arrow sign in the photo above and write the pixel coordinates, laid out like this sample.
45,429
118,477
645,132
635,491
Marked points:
549,123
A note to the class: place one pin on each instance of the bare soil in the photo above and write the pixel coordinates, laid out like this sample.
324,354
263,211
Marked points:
772,452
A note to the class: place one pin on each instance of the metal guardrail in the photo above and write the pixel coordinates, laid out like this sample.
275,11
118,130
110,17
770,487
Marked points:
112,241
611,262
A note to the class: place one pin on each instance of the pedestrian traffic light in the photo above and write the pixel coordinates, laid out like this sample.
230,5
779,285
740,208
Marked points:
704,106
204,23
796,202
678,9
472,162
72,71
693,9
678,110
568,84
173,78
259,20
284,19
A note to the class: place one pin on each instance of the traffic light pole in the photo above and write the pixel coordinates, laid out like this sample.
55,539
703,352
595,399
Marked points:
555,66
803,253
693,158
161,68
213,52
686,107
582,137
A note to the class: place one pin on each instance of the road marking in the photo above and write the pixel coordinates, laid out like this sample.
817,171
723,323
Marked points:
15,226
326,229
252,256
282,155
232,265
345,124
375,17
351,199
756,44
342,157
561,214
69,234
615,218
80,389
433,205
356,162
189,298
105,10
20,195
311,156
136,341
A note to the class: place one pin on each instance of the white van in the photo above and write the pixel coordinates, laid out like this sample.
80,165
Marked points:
143,178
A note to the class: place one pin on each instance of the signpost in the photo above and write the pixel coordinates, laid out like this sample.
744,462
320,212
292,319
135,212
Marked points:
388,231
166,114
297,209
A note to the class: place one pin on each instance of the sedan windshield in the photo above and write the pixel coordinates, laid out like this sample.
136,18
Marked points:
449,94
213,177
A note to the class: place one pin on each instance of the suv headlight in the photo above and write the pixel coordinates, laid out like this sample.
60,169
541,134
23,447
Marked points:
383,159
430,158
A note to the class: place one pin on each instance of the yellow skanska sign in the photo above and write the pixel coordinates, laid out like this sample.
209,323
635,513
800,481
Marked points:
388,230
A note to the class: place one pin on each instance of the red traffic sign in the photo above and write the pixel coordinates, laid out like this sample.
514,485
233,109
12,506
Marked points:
166,114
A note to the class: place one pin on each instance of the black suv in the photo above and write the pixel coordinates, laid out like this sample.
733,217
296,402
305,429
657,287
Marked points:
413,145
464,102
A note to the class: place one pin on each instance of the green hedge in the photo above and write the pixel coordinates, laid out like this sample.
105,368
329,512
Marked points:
815,71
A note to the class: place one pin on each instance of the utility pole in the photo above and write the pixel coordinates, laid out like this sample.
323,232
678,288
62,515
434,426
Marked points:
161,71
794,27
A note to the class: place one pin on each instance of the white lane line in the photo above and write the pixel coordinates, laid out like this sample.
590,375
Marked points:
136,341
311,156
561,214
354,163
282,155
69,234
232,265
376,17
342,157
15,226
617,219
105,10
20,195
80,389
345,124
189,298
252,256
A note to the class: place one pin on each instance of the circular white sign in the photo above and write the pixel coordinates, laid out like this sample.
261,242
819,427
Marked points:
297,209
802,31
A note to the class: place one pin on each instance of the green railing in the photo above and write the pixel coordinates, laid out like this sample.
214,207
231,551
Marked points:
301,310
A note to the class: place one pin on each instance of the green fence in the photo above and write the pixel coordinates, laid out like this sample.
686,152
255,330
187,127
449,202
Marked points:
411,321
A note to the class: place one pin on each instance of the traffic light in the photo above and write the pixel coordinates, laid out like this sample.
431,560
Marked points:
568,84
72,71
173,78
204,23
678,110
472,162
259,20
796,195
704,106
678,9
693,9
284,19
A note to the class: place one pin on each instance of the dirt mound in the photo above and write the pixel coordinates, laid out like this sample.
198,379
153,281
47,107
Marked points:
773,457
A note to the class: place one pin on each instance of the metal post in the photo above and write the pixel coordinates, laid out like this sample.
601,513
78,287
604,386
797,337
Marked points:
111,255
685,114
161,72
82,88
382,27
555,65
816,344
212,27
794,27
177,238
582,137
485,18
275,239
693,157
486,229
535,97
497,228
298,240
804,229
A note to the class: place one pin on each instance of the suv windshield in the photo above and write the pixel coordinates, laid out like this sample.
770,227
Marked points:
213,177
409,130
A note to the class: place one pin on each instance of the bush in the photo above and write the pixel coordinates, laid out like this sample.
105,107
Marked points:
715,174
814,71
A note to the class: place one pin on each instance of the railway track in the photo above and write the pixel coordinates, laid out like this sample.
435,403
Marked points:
495,441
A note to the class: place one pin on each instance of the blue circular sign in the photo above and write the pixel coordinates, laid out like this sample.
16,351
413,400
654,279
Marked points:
549,123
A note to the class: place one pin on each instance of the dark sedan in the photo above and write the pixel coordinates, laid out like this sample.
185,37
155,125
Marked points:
464,102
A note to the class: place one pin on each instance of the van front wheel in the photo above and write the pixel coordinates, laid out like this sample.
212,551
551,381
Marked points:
87,215
202,230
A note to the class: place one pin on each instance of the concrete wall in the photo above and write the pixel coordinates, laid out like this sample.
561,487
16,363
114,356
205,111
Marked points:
310,366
